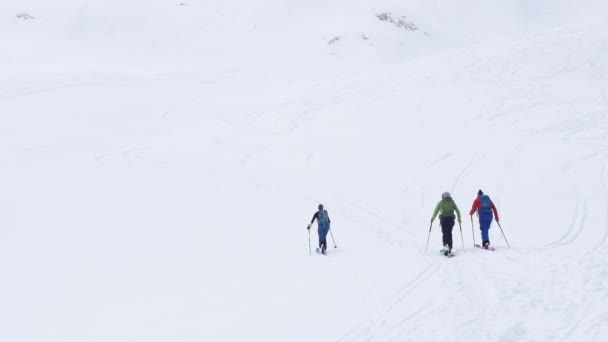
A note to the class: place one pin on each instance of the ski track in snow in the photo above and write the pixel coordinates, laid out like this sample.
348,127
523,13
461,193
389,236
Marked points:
369,331
422,277
440,159
467,169
568,237
70,80
605,188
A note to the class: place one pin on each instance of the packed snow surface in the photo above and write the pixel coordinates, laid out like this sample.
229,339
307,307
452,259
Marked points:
160,160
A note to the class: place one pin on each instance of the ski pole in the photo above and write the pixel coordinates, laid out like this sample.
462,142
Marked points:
309,248
503,234
473,230
461,237
428,238
332,238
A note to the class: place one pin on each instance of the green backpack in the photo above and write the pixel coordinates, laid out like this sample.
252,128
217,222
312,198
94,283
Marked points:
447,207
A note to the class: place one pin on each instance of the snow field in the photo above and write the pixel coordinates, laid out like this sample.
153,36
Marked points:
155,189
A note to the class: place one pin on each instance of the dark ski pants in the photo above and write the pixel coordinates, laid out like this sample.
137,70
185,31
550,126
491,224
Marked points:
485,220
447,224
323,230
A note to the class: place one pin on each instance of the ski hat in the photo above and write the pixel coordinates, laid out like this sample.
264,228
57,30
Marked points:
479,193
446,195
320,206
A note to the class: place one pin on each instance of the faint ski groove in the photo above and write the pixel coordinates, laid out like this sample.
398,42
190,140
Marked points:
515,153
409,287
575,326
605,184
603,240
572,223
580,228
372,327
600,321
368,219
401,323
350,332
440,159
66,81
562,241
464,171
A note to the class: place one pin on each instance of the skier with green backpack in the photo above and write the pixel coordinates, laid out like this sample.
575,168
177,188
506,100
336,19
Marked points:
446,208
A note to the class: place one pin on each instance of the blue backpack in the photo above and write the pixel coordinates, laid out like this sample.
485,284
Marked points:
323,218
485,204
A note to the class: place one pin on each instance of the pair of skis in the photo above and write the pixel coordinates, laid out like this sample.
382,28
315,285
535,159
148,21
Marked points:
449,254
490,248
322,250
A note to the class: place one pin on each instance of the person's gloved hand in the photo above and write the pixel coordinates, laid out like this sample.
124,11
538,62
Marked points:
432,220
308,227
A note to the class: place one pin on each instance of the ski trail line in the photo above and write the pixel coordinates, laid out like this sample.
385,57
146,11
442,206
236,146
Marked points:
410,286
605,187
368,331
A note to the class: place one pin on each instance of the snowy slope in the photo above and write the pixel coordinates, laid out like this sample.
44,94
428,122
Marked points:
159,164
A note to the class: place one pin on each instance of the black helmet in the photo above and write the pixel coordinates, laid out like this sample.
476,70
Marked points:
479,193
320,206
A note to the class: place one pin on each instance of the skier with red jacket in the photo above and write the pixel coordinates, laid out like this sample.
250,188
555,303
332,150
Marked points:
484,207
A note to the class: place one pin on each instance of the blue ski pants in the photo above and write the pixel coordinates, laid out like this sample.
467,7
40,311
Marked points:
323,230
485,220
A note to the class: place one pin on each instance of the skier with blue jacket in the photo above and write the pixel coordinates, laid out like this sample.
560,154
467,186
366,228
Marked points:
484,207
323,223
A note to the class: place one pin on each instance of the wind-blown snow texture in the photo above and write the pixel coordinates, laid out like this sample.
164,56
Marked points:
159,162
